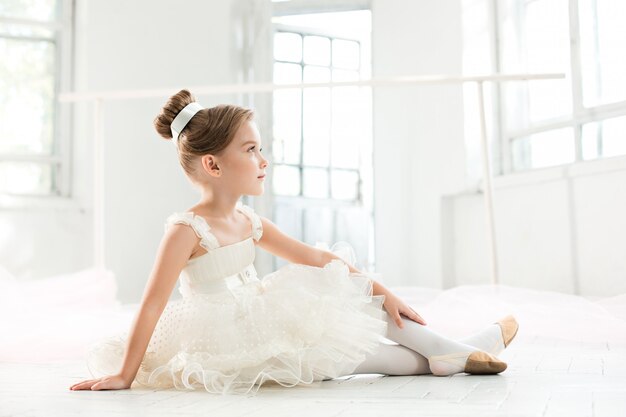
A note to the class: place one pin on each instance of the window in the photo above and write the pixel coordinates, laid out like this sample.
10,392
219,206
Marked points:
553,122
34,45
322,136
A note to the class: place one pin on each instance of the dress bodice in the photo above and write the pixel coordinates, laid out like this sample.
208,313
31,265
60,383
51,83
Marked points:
221,268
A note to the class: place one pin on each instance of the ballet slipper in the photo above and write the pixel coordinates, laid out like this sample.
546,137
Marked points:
477,362
482,363
509,327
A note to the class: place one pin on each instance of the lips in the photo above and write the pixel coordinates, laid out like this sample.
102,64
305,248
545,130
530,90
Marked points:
261,176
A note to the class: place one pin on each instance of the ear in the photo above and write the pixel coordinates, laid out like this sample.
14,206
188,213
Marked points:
210,165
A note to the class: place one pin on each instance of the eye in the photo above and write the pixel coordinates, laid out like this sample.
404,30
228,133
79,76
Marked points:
252,147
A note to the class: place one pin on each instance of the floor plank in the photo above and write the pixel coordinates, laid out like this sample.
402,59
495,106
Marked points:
545,378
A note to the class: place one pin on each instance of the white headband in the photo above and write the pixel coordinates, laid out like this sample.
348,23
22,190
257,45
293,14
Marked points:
182,118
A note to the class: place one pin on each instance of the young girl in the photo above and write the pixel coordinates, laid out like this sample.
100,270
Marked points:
316,318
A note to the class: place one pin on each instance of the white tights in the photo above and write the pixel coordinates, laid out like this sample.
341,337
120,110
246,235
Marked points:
394,360
418,342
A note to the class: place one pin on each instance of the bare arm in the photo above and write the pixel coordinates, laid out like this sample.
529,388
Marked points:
278,243
286,247
174,251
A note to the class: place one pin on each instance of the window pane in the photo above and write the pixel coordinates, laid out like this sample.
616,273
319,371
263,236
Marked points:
614,136
316,50
290,220
318,222
535,41
554,147
287,126
10,29
286,180
287,47
27,106
345,75
590,143
606,138
315,182
346,54
547,36
287,73
316,126
602,36
25,178
313,74
346,128
352,227
353,23
548,99
345,152
29,9
345,184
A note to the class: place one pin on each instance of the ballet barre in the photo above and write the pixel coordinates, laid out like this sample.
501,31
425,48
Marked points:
98,97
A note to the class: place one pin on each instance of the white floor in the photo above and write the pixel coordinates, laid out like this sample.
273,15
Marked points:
546,377
568,359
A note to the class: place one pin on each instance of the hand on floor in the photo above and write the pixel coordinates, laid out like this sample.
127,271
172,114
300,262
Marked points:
105,383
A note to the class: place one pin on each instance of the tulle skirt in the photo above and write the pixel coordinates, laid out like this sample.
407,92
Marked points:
295,326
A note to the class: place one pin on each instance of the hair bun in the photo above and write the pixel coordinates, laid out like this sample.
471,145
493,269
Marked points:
177,102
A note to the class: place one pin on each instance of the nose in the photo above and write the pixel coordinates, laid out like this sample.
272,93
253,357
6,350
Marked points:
264,163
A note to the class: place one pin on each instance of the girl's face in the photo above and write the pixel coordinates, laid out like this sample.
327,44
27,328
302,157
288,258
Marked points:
242,164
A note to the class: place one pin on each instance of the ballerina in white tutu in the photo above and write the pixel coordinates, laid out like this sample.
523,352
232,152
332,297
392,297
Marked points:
316,318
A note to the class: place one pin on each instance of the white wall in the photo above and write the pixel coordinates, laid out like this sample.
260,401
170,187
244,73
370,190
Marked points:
418,135
43,241
558,229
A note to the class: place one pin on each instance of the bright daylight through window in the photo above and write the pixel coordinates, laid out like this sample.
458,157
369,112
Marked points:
31,43
554,122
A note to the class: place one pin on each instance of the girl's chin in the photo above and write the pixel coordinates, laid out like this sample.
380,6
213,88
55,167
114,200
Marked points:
258,192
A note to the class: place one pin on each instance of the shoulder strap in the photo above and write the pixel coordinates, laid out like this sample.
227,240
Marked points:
207,240
257,226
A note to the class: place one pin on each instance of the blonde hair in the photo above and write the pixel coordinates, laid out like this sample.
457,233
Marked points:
210,131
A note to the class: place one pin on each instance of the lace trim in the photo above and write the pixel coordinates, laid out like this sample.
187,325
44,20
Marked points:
257,226
207,240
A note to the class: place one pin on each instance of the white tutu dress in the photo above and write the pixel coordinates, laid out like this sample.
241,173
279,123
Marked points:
231,331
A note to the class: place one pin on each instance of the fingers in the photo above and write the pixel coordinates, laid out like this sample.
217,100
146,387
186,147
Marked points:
104,383
83,385
394,311
416,317
78,385
398,319
411,314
